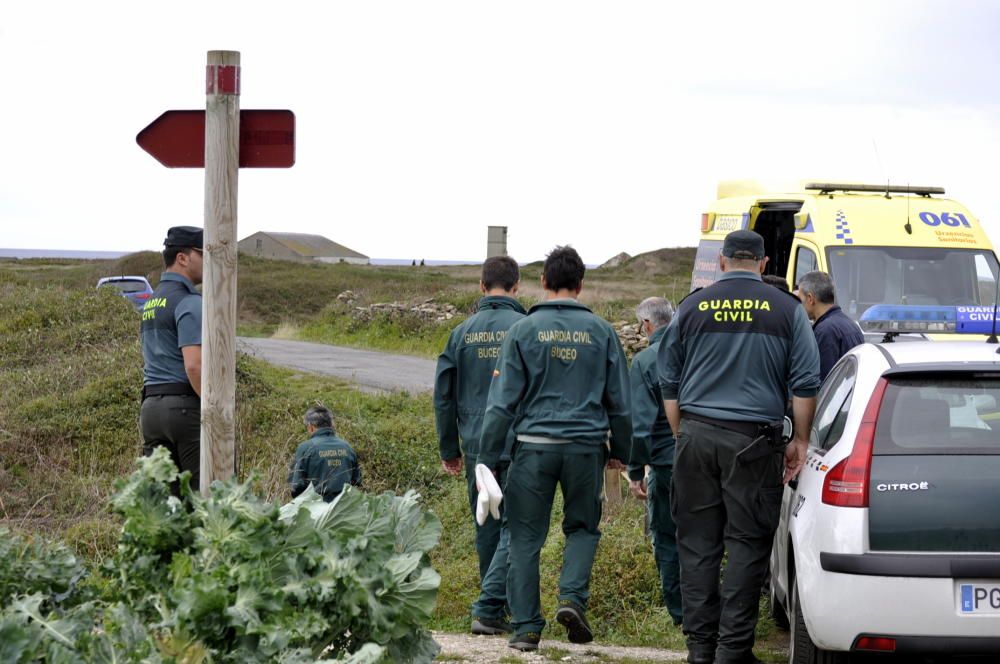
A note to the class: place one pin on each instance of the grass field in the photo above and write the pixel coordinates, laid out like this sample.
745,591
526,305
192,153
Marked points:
70,365
299,301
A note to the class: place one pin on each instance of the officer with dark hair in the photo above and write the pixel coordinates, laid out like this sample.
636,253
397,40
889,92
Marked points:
562,385
464,372
727,363
171,351
774,280
653,446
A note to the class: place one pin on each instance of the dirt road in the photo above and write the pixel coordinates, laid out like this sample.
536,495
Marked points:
483,649
371,371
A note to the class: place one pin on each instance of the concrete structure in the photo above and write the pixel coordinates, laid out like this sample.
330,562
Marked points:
299,247
496,241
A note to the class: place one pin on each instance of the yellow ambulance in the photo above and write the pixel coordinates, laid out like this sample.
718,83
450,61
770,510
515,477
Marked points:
907,248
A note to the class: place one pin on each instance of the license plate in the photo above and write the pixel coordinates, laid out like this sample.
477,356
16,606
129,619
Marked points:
978,598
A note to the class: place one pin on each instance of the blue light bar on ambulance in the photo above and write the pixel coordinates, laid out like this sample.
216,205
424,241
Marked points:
908,318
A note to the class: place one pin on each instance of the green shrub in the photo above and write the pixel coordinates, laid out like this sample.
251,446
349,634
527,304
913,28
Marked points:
407,333
29,566
229,578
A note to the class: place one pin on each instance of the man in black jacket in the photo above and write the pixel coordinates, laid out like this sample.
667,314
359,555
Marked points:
835,332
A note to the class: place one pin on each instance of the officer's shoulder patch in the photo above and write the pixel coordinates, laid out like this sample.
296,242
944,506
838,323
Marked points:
689,294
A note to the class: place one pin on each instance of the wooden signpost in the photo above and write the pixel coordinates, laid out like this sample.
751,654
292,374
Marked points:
174,140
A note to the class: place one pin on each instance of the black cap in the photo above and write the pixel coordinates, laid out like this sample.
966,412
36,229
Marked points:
743,244
184,237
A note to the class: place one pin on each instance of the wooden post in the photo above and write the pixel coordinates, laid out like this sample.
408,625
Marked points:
613,487
218,331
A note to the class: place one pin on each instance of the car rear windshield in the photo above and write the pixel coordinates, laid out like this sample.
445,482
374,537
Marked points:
940,415
126,285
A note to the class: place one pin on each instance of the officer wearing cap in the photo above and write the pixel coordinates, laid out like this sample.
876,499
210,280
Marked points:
561,384
171,351
653,446
726,365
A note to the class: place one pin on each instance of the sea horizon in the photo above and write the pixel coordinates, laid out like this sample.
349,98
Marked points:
83,254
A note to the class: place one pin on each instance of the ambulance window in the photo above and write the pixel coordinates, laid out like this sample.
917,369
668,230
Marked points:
987,281
706,263
919,276
805,261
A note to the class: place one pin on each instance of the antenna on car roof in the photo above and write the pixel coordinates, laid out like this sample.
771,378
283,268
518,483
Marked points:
993,334
878,158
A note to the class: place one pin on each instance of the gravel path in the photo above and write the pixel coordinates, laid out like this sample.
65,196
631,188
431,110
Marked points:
371,371
487,649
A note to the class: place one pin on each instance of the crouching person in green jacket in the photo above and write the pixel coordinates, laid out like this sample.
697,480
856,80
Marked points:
326,461
562,383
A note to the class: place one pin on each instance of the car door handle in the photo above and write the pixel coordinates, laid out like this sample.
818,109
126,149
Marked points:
793,484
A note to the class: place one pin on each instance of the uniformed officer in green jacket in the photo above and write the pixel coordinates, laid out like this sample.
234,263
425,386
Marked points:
326,460
653,446
561,383
727,363
464,372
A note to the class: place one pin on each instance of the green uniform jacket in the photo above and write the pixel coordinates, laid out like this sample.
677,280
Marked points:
652,439
464,373
326,461
563,372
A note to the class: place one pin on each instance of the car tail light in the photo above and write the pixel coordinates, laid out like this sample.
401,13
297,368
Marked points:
846,485
876,644
706,222
141,296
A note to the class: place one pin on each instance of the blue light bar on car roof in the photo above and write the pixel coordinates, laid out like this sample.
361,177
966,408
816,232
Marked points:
974,320
912,318
908,318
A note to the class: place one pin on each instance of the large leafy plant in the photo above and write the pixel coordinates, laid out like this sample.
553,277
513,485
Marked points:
230,578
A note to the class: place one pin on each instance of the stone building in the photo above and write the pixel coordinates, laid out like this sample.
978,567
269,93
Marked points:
300,247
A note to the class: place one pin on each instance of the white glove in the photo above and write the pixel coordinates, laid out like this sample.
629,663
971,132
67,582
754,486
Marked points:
490,495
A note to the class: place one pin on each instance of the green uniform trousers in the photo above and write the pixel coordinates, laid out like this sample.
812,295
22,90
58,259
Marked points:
488,534
720,504
664,533
492,600
174,422
531,486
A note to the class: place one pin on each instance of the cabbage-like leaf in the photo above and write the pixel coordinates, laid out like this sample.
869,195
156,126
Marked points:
416,529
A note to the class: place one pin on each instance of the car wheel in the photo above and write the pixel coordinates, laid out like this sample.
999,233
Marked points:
774,608
801,649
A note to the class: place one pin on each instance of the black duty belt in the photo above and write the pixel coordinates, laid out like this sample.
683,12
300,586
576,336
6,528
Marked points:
751,429
168,389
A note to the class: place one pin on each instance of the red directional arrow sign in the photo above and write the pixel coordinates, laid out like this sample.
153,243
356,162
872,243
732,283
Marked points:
176,139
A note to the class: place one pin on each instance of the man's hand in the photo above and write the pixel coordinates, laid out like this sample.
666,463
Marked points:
795,457
638,488
615,464
452,466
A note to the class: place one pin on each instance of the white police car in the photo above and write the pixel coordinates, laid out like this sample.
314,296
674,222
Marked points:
889,541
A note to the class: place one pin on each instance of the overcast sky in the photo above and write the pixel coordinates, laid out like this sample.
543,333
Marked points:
606,125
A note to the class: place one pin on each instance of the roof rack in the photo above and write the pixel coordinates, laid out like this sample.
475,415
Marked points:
826,187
